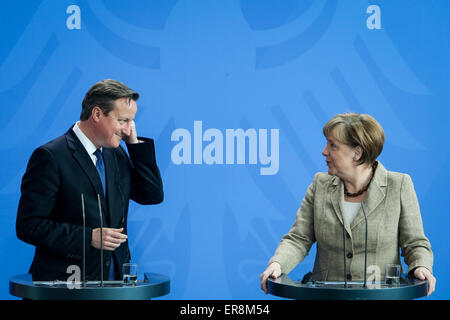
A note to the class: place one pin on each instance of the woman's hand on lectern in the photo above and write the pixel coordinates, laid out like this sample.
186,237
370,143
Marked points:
273,271
423,273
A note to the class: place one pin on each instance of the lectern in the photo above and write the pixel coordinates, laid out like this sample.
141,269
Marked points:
153,285
409,288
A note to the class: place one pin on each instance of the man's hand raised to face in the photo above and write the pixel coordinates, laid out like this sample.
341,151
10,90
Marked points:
130,137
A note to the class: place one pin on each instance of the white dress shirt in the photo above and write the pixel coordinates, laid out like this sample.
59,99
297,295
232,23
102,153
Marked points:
87,144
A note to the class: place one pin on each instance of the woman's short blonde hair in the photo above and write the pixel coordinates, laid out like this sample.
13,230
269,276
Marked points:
354,129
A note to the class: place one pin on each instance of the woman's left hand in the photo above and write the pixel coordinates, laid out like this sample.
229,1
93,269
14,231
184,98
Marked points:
423,273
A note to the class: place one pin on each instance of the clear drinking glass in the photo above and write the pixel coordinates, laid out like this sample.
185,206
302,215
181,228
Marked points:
393,274
130,274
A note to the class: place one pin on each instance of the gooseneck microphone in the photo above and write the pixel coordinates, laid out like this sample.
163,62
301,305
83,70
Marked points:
84,241
101,239
343,238
365,247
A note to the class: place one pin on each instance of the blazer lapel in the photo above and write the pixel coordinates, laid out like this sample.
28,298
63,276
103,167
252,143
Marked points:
337,200
84,160
375,195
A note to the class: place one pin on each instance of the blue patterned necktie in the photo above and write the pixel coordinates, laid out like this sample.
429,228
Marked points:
100,165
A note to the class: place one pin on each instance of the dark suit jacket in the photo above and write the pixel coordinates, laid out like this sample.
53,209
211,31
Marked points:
50,213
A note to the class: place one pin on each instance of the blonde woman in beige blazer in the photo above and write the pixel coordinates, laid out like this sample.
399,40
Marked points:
355,178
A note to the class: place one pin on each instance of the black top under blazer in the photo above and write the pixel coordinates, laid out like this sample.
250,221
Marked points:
50,213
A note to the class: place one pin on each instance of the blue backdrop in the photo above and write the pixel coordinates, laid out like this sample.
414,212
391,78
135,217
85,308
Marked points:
251,64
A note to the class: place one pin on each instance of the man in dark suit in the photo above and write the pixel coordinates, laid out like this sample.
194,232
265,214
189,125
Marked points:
88,160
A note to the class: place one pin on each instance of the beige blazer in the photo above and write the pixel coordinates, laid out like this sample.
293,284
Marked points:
394,222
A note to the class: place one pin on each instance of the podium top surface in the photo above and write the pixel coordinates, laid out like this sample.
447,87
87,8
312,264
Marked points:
409,288
153,285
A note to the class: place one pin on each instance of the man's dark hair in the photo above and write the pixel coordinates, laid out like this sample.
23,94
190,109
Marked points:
103,95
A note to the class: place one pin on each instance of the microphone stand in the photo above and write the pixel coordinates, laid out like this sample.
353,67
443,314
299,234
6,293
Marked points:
343,237
365,248
101,239
84,241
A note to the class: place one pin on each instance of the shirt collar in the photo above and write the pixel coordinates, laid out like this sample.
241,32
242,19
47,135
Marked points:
87,144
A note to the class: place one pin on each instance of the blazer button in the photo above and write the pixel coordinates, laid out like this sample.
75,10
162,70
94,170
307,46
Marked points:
349,255
349,276
107,263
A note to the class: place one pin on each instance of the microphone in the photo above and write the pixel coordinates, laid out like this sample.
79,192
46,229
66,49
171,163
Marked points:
365,248
101,239
84,241
343,238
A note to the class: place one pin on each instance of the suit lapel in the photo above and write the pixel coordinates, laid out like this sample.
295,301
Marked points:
375,195
85,162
